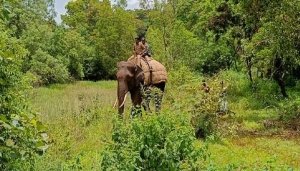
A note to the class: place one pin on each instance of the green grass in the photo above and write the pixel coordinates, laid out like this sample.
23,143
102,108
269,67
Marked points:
256,152
78,117
79,121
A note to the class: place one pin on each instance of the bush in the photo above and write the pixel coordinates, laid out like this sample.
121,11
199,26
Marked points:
239,83
265,94
206,108
202,107
100,67
20,136
262,94
155,143
290,112
47,69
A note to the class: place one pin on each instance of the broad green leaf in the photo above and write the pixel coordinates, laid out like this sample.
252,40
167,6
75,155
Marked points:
9,142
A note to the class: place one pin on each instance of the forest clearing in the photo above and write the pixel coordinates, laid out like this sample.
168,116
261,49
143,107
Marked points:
87,107
150,85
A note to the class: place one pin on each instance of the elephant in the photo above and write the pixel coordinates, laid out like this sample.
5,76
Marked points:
131,78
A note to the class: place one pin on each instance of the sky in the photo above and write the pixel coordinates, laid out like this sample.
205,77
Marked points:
60,7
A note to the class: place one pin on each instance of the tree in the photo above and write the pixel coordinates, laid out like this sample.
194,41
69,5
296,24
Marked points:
20,136
274,44
121,3
107,31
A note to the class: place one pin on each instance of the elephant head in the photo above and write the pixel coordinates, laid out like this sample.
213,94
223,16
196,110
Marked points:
130,77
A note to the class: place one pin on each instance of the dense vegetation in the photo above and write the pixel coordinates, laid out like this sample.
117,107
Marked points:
253,46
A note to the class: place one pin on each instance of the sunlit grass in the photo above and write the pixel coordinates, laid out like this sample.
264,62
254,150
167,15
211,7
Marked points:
78,118
79,121
252,152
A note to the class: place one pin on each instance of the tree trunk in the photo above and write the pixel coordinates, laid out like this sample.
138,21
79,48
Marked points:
249,68
281,84
278,75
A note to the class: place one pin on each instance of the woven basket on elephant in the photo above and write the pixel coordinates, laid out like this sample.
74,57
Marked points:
159,72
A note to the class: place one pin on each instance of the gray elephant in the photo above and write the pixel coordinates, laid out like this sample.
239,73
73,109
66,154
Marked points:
134,79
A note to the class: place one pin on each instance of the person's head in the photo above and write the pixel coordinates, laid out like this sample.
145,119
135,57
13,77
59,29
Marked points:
136,39
143,39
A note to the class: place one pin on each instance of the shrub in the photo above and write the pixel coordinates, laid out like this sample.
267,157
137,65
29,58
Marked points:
161,142
239,83
100,67
47,69
290,112
182,75
206,107
184,82
20,136
202,107
261,94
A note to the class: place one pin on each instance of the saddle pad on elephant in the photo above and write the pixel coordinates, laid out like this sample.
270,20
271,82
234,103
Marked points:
157,70
137,59
154,73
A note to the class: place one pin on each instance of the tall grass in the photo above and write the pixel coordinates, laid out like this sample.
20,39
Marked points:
79,119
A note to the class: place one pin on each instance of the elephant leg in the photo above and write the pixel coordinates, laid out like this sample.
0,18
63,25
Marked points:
143,97
158,100
147,98
158,96
136,110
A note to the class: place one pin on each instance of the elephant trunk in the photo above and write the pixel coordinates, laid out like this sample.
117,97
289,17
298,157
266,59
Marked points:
122,91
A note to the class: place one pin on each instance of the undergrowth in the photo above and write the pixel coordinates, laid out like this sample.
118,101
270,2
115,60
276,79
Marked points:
85,135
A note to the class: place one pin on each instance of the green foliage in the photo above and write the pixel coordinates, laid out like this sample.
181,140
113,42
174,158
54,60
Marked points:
20,131
290,112
47,69
244,142
20,136
257,38
78,120
87,45
215,50
281,43
185,46
155,39
240,88
155,142
107,31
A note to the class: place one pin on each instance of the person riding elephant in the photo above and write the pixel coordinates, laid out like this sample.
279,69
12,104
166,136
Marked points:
146,51
138,47
138,50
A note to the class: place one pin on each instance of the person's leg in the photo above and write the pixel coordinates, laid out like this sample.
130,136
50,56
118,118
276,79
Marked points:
136,110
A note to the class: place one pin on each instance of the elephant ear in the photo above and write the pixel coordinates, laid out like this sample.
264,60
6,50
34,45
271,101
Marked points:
121,64
139,75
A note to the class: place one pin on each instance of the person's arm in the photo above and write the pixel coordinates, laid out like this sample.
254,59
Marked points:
142,47
146,47
134,49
